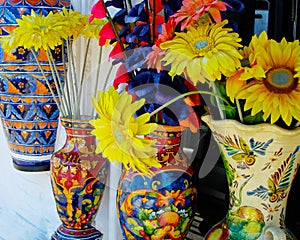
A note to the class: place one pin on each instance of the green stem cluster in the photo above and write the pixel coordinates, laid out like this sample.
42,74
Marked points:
68,87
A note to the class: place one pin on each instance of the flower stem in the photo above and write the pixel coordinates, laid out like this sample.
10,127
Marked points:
70,78
97,76
47,81
107,76
98,70
129,3
67,87
153,22
83,70
75,89
184,95
109,18
239,110
218,101
57,80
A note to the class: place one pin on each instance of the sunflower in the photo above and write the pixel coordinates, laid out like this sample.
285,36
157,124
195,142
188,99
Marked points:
204,52
38,31
275,90
249,68
120,135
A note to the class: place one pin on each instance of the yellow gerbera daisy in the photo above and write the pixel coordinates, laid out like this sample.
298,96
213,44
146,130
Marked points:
275,90
92,29
75,22
105,102
120,135
205,52
37,31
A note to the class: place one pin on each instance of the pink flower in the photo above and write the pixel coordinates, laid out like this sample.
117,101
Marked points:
106,33
154,58
98,11
192,10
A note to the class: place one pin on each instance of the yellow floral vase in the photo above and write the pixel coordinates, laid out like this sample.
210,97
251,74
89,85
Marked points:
261,162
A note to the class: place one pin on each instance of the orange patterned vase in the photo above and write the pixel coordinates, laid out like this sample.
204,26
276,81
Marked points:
160,205
28,112
78,178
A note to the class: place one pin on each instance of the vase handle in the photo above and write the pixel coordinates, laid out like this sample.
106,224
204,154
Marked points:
274,233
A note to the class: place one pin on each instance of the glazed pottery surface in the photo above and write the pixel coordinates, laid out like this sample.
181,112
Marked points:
261,162
78,178
160,205
28,112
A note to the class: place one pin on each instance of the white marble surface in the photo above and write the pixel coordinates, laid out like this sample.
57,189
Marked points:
27,206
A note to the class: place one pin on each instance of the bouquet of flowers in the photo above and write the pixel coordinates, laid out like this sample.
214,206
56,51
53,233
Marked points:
136,31
50,41
189,45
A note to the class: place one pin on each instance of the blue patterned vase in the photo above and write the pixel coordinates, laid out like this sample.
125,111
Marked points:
28,112
160,205
261,162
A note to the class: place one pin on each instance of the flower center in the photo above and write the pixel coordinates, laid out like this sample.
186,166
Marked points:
201,46
280,80
118,136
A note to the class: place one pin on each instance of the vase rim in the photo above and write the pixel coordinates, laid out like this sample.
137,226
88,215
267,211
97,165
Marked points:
169,128
250,128
81,118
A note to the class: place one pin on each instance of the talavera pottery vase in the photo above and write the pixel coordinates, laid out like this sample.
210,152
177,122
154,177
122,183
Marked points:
160,205
261,162
78,178
28,112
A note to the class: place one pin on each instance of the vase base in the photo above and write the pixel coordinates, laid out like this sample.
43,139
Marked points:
34,166
63,233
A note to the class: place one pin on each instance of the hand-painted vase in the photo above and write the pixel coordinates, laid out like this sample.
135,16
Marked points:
261,162
160,205
78,178
28,112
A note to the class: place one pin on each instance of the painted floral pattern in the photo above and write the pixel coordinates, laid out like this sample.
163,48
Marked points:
278,182
242,152
260,172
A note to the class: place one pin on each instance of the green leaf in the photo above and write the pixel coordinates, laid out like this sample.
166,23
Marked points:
230,111
258,118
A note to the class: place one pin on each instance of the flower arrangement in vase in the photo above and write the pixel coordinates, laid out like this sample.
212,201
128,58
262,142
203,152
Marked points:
78,174
253,86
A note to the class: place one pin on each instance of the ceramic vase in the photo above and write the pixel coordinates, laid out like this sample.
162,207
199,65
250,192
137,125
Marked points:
28,112
160,205
261,162
78,178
